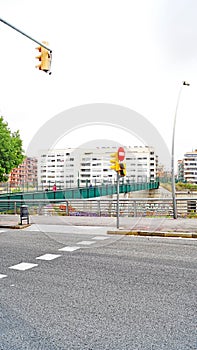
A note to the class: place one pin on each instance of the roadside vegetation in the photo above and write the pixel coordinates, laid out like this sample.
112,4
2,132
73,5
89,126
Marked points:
180,186
11,151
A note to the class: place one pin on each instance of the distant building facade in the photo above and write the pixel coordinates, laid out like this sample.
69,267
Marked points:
190,167
58,167
142,164
180,172
85,167
25,173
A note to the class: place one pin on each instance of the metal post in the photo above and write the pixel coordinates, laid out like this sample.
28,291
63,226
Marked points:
118,207
29,37
67,208
172,159
15,209
134,209
99,207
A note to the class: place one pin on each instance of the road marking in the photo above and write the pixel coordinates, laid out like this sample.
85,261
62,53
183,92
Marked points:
100,238
33,227
2,276
87,227
48,257
85,242
23,266
169,237
68,249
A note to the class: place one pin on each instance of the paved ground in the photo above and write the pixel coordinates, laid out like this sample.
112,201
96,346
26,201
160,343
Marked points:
77,288
137,226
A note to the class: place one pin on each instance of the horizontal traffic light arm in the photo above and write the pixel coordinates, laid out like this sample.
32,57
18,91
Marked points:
27,36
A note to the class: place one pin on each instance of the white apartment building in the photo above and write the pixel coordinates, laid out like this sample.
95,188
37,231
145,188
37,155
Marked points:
95,166
84,167
142,164
190,167
58,167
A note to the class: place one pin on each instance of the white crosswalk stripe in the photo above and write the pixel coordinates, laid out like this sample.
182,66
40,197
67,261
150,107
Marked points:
48,257
68,249
23,266
86,242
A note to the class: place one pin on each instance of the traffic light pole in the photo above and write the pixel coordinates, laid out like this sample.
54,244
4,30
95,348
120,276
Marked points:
118,195
29,37
120,169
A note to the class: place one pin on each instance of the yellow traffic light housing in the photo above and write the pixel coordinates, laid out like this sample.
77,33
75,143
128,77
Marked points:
44,58
115,162
122,170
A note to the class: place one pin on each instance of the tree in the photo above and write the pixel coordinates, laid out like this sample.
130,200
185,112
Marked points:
11,152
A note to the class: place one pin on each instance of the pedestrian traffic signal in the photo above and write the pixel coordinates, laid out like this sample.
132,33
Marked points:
122,169
115,162
44,58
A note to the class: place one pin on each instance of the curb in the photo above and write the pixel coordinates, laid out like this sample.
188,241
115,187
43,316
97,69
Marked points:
15,226
153,233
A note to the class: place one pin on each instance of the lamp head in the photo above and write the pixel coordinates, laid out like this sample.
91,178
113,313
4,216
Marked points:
185,83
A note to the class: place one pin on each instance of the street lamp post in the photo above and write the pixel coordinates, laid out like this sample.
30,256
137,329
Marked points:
172,158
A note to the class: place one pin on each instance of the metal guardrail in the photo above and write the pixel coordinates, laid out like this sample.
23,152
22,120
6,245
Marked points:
132,207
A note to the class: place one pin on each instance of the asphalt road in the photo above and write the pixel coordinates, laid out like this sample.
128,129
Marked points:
98,292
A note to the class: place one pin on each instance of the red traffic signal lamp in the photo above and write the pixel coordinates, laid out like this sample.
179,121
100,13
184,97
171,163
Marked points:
44,58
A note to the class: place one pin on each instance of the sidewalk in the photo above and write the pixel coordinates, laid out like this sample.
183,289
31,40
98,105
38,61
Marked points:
11,221
142,226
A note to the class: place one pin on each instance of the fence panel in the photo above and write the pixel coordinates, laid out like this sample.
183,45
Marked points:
132,207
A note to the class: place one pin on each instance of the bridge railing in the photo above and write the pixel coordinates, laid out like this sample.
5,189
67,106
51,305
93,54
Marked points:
82,192
132,207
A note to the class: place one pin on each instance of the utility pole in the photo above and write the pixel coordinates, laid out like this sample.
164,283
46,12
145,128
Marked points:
184,83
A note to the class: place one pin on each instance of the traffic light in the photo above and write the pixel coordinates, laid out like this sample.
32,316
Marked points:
44,58
115,162
122,170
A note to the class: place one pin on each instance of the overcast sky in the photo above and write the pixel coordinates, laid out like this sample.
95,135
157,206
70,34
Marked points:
132,53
